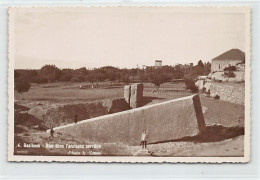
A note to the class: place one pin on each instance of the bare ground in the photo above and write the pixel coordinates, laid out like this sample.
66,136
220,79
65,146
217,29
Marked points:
224,135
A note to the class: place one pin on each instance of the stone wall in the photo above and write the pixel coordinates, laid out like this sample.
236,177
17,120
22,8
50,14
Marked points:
229,93
239,76
165,121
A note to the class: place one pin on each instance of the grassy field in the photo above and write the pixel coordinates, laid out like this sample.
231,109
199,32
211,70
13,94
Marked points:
72,91
69,92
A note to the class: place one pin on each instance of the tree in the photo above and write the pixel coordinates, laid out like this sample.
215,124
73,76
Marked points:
158,77
28,74
66,75
207,68
200,63
49,73
142,75
199,68
229,72
99,76
230,68
179,73
91,78
190,84
125,78
133,73
22,85
80,74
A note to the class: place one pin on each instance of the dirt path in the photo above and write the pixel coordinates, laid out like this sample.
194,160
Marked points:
230,147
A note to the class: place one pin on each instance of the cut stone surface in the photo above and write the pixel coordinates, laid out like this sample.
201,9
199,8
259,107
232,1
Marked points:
127,91
136,95
165,121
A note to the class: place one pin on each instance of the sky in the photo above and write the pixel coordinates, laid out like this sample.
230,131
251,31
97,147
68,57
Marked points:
122,37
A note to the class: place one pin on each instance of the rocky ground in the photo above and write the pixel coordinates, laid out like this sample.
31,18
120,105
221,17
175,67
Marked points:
223,137
227,147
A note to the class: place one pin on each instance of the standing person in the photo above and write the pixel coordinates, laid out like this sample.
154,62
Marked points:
143,139
75,118
52,132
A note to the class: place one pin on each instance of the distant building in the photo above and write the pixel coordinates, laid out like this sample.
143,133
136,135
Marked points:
186,67
158,63
232,57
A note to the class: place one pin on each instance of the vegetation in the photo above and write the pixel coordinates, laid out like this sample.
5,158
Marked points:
158,76
217,97
230,68
68,92
22,85
190,85
229,74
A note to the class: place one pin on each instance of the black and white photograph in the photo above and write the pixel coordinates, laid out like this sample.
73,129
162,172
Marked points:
129,84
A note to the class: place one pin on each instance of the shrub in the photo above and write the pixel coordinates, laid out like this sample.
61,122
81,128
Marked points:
217,97
22,85
230,68
190,85
229,74
203,90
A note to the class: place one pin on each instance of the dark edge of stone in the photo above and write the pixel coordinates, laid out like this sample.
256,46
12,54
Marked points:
129,95
199,113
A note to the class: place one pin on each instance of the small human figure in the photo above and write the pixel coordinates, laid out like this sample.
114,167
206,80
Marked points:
75,118
51,132
143,139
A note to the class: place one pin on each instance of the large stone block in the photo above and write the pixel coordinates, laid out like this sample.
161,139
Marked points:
165,121
200,84
133,94
127,91
136,95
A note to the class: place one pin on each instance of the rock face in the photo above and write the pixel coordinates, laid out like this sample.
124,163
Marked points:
57,115
133,94
165,121
127,93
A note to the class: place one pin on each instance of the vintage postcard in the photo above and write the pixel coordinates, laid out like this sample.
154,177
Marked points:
129,84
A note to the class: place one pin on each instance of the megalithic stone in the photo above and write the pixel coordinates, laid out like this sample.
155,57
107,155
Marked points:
140,89
166,121
136,95
133,94
127,93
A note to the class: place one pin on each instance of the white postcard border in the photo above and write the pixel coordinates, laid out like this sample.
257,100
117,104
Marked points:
133,159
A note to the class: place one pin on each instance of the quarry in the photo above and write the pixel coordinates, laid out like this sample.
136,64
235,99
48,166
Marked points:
178,123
